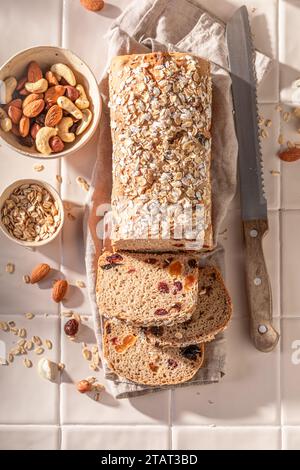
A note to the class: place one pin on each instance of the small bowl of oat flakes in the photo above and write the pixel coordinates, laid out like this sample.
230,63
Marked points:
31,212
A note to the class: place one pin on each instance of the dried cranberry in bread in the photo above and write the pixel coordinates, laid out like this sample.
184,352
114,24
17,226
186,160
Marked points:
131,356
160,109
212,314
147,289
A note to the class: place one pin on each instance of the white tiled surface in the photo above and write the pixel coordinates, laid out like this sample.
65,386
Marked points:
256,406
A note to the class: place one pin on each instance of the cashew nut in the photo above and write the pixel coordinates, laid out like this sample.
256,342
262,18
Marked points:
85,122
5,121
42,139
69,106
37,87
63,129
82,102
9,85
62,70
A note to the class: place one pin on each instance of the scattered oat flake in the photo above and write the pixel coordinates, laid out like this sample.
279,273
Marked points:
37,340
11,324
21,342
27,362
275,172
86,354
280,139
80,284
29,316
93,367
4,326
278,108
38,167
26,279
59,179
94,349
48,344
29,345
10,268
290,144
268,123
82,183
71,216
11,358
286,116
39,351
67,314
83,345
264,133
22,333
61,366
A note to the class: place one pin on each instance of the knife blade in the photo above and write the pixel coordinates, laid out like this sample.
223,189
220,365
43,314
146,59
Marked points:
253,200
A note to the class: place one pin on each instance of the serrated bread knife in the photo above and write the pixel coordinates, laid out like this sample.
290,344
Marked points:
253,201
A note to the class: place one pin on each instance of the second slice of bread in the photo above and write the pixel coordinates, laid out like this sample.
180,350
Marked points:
147,289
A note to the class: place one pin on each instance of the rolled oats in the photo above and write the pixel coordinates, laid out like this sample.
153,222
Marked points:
30,213
10,268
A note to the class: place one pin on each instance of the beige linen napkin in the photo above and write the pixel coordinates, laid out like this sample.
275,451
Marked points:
183,25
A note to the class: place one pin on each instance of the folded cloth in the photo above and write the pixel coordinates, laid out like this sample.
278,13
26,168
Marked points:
182,25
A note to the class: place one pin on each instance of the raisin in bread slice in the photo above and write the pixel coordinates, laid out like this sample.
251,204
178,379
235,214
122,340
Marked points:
130,355
212,314
147,289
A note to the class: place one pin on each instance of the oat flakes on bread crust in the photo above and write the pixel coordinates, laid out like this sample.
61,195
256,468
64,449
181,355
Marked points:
160,109
130,355
212,314
147,289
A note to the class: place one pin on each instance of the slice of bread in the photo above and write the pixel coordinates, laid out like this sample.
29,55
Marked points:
130,355
147,289
212,315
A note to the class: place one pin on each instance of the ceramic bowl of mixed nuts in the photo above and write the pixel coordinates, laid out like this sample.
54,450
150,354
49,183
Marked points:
31,212
50,104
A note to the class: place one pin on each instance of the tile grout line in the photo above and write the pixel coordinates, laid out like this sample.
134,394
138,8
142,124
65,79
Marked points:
280,234
61,43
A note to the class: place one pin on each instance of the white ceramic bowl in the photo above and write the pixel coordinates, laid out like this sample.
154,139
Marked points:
46,56
8,191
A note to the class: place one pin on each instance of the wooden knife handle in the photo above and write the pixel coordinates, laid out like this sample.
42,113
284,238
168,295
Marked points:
264,336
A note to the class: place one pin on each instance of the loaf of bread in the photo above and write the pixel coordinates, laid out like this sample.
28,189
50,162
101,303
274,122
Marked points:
130,355
147,289
212,314
160,109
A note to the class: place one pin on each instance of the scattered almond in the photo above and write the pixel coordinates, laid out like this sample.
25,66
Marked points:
34,108
59,290
290,155
54,116
34,72
39,272
92,5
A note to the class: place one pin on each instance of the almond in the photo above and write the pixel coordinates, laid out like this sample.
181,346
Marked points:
53,116
34,129
17,103
34,72
92,5
72,93
32,97
53,93
290,155
59,290
52,80
34,108
24,126
39,272
21,83
15,114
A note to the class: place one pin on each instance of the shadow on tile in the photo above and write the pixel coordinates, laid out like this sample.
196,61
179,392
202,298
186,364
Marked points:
74,297
110,11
